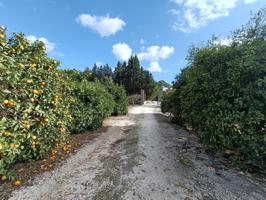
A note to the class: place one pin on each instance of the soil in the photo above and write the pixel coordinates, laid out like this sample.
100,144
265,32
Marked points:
142,156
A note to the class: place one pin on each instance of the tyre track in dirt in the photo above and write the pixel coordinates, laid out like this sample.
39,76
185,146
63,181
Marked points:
143,156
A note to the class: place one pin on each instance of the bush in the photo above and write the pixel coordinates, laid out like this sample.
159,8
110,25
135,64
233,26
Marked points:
119,95
40,105
33,114
221,95
90,102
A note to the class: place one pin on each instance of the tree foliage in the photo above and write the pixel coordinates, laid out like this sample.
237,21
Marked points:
133,77
41,105
221,95
129,75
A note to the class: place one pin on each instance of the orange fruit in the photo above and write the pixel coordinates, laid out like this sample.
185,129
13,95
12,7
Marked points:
6,102
17,183
11,103
3,178
42,84
62,130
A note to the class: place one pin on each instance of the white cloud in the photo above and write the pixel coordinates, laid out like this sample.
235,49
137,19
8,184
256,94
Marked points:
225,42
122,51
249,1
155,53
152,54
194,14
104,25
50,46
155,67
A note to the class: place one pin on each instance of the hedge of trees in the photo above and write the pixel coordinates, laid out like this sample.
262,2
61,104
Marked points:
130,75
221,94
40,105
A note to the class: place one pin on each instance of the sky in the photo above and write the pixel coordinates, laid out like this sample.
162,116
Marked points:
83,32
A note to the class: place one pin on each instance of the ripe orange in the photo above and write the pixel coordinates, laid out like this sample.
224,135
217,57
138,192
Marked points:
6,102
3,178
62,130
17,183
11,103
42,84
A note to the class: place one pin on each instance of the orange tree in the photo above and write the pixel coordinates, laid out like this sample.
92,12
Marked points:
90,101
33,114
221,95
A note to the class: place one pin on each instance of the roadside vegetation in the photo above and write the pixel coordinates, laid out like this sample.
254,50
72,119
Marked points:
40,105
131,75
221,95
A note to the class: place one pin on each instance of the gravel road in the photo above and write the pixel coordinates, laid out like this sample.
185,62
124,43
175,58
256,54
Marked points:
143,156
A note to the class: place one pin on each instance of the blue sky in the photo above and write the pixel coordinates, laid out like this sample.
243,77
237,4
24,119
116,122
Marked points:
83,32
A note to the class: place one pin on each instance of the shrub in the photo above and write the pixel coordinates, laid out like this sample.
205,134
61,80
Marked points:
221,95
33,115
119,95
90,102
40,105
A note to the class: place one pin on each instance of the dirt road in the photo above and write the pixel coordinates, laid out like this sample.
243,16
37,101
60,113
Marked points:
143,156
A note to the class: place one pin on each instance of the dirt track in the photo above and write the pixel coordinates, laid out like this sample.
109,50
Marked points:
142,156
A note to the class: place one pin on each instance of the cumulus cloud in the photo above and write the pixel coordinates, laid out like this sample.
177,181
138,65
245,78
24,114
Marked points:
122,51
194,14
103,25
155,53
155,67
50,46
152,54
